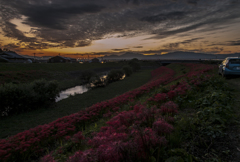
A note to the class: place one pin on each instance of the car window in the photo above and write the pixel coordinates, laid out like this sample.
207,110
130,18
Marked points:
234,61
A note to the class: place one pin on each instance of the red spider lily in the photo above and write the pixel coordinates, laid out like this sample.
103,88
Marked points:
171,94
47,158
162,127
169,108
160,97
78,137
39,136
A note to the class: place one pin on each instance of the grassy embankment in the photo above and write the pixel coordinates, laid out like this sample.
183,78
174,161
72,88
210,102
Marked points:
234,130
18,123
197,134
67,74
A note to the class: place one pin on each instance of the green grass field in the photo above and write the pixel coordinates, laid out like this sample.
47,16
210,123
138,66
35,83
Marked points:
206,120
18,123
65,67
67,74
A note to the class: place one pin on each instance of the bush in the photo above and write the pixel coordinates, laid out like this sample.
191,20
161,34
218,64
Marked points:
96,81
134,63
45,90
115,75
86,75
20,98
127,70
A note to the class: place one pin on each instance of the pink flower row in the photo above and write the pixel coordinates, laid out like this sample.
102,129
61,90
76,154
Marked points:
131,134
35,139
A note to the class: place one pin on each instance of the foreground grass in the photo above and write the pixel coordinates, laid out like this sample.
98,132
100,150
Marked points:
199,130
18,123
192,137
234,130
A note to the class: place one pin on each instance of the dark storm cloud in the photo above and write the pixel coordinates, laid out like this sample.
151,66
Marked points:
12,32
136,2
12,46
163,17
172,45
83,43
234,43
138,47
63,23
118,49
228,43
167,33
192,2
177,44
54,17
217,49
191,40
39,45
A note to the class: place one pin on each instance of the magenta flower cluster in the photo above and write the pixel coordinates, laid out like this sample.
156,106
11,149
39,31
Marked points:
34,140
129,134
140,128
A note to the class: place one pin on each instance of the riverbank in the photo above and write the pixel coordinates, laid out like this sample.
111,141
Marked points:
18,123
67,74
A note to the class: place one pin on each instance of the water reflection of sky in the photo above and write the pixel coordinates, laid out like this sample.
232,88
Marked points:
72,91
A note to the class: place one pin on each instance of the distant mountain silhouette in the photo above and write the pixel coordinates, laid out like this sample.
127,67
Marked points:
130,55
174,55
187,56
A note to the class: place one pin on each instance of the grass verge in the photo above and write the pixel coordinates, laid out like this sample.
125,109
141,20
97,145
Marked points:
18,123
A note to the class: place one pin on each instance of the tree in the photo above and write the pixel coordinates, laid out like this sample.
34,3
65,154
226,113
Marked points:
134,63
127,70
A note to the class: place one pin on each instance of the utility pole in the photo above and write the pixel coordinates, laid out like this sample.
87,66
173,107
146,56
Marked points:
34,57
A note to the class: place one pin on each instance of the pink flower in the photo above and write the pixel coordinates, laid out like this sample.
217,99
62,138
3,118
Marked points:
169,108
78,137
47,158
162,127
171,94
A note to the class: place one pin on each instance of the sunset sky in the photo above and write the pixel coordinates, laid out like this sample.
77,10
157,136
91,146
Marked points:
104,27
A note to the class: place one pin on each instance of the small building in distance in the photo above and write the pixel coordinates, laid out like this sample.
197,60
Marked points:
60,59
95,60
11,56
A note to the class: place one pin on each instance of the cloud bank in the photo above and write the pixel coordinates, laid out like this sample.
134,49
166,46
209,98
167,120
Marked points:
68,24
